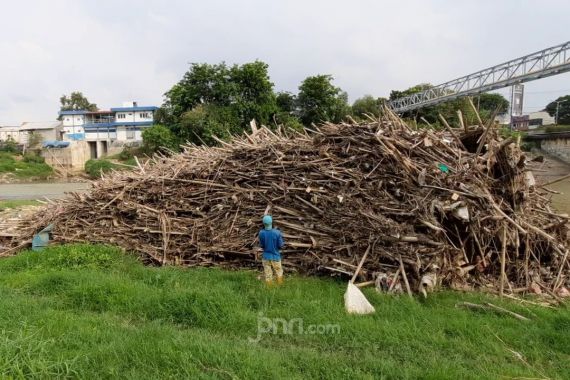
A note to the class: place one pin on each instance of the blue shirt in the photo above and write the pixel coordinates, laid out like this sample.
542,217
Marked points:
271,241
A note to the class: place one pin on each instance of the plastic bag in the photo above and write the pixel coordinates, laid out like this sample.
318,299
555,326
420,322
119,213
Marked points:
355,302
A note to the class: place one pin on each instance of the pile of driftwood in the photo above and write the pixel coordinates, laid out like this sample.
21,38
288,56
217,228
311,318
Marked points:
457,207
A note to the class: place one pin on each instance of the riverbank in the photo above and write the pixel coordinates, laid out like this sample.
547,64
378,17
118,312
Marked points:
551,169
84,311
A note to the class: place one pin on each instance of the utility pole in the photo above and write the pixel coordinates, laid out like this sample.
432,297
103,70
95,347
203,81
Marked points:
557,106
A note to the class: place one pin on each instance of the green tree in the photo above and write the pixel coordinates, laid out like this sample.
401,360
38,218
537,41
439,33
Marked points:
487,104
490,102
319,100
76,101
287,114
9,145
367,105
218,100
563,109
34,140
158,138
286,102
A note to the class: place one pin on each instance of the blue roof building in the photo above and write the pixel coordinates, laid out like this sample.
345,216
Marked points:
103,130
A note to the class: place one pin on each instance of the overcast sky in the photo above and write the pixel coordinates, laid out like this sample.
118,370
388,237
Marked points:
115,51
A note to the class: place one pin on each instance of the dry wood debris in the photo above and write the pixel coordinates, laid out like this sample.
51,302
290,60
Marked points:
453,208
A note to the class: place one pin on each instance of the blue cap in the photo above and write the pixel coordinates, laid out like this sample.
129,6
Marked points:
267,220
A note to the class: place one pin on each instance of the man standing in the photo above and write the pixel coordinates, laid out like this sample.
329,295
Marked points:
271,241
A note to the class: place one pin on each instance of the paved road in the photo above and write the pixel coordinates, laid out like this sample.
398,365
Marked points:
39,190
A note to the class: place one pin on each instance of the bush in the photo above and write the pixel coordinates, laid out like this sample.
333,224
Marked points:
289,121
158,138
35,140
557,128
9,146
96,167
7,162
126,154
33,158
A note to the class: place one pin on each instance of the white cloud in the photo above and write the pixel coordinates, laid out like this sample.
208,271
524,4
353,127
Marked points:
135,50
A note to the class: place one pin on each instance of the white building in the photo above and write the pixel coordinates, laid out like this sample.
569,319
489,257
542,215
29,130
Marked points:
528,121
540,118
47,130
10,133
108,130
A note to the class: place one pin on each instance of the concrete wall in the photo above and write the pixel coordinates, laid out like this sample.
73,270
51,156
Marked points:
101,135
557,147
73,120
129,134
72,158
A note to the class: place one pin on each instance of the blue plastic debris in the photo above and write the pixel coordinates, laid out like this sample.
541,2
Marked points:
443,168
41,239
55,144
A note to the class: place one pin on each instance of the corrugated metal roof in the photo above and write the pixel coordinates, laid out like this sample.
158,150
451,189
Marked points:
34,125
78,112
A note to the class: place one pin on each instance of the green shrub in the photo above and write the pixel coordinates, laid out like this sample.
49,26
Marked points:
158,138
126,154
7,162
9,146
95,167
33,158
557,128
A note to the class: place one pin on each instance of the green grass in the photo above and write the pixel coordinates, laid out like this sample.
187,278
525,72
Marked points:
94,168
24,168
15,203
557,128
82,311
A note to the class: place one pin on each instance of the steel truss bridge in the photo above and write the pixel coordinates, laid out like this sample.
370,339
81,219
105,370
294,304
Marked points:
551,61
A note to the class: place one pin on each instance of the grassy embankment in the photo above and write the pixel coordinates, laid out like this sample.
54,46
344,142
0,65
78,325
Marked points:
16,203
92,312
29,166
556,128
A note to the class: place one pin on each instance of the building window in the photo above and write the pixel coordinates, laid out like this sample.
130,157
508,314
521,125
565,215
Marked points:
121,116
130,133
144,115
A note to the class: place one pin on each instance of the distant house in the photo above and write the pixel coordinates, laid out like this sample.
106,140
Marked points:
540,118
47,130
520,123
526,122
106,130
10,133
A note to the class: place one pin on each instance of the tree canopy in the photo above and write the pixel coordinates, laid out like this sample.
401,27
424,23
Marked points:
319,100
75,102
218,100
367,105
563,109
486,102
